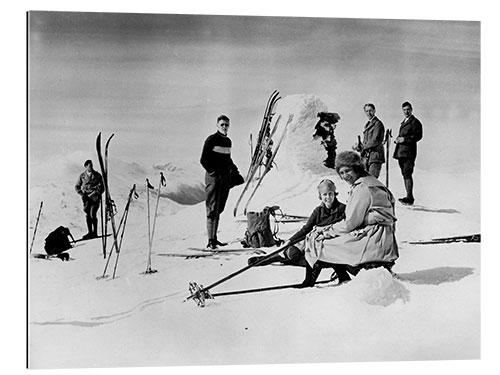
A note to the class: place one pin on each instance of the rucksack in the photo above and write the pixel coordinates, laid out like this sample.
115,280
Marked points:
259,233
57,241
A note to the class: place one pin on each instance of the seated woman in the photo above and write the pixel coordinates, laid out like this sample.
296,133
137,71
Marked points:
330,211
366,237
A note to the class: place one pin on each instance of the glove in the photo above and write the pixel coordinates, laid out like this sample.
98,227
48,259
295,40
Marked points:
85,197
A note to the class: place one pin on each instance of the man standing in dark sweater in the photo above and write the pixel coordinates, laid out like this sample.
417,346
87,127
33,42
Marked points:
216,159
410,133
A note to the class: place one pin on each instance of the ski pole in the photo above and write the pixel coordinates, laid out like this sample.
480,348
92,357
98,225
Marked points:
163,182
148,186
250,141
127,209
388,137
119,227
203,291
36,225
103,239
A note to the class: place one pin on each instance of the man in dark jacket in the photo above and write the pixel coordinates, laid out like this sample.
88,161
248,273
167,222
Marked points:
372,148
410,133
219,167
90,186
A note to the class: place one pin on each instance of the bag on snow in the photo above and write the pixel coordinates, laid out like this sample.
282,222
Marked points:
57,241
236,178
259,233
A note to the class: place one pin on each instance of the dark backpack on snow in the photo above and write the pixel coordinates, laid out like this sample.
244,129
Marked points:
259,233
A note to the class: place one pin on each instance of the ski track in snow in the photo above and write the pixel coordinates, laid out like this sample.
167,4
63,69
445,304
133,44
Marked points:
109,319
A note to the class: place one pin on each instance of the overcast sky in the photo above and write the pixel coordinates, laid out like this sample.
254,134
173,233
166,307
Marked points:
173,74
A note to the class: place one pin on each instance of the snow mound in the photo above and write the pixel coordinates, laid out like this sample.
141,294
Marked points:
299,151
378,287
185,184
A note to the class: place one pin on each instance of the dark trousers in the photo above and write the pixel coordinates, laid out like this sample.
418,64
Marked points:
90,207
217,187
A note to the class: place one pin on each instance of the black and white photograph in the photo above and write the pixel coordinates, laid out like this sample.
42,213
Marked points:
242,188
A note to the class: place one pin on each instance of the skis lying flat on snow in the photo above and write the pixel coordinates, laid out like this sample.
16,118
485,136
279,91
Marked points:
468,238
215,255
63,256
264,141
206,253
269,162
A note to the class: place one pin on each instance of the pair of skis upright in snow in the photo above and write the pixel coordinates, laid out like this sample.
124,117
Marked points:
264,152
110,207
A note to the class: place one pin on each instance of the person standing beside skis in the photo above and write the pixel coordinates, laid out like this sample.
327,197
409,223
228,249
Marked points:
219,177
405,152
372,147
90,186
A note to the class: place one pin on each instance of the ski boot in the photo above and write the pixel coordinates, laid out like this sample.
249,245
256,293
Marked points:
407,201
212,245
312,274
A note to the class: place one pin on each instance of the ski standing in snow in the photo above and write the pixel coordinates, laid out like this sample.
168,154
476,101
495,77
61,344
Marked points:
90,186
221,175
372,146
263,147
405,152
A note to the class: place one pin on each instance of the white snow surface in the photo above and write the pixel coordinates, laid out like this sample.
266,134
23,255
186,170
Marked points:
431,311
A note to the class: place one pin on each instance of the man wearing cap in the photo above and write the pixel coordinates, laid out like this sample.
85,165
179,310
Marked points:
90,186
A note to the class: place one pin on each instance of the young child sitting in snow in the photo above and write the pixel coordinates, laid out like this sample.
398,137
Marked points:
330,211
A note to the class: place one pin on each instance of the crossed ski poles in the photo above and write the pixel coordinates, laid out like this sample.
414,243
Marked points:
36,225
199,293
123,222
151,233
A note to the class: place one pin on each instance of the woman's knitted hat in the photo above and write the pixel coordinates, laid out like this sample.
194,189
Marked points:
349,159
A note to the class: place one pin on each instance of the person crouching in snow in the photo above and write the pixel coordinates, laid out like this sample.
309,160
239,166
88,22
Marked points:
328,212
366,237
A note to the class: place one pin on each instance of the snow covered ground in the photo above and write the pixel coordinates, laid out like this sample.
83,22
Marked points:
78,319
